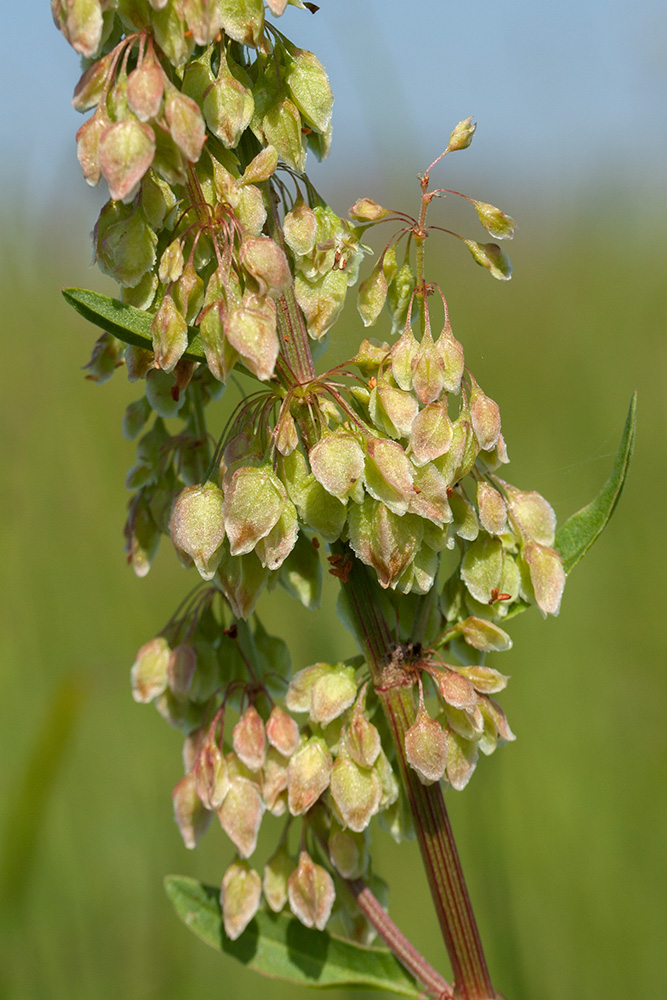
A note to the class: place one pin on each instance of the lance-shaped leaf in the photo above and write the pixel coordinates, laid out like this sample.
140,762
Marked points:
575,537
132,326
278,946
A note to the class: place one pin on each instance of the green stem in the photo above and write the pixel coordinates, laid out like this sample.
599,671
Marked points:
436,840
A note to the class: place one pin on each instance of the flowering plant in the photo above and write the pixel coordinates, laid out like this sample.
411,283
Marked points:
390,467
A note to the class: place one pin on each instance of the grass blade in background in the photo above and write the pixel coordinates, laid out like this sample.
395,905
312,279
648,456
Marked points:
277,945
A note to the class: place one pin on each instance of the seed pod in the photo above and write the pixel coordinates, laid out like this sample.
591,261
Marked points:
266,262
181,668
274,782
389,474
210,771
348,853
241,814
461,136
149,671
249,739
311,893
126,151
484,635
485,416
490,256
531,516
356,792
170,335
282,731
277,870
547,576
337,462
190,814
426,747
495,221
431,434
240,897
197,527
492,509
456,690
482,566
461,760
334,690
309,86
250,328
145,89
308,775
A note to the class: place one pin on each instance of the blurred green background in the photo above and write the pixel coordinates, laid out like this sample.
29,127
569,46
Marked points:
562,834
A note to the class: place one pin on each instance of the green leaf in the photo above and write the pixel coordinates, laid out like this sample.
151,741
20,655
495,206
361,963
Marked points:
575,537
277,945
132,326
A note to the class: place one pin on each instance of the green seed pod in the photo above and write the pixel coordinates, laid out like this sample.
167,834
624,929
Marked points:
300,229
243,20
249,739
149,671
461,136
531,516
486,680
461,760
239,898
250,328
192,817
210,772
124,243
311,893
337,462
426,747
456,690
241,579
356,792
372,295
254,501
494,221
241,814
181,668
277,870
367,210
228,104
389,474
126,151
481,568
403,355
81,23
185,122
145,90
263,260
88,147
451,353
490,256
491,508
333,690
484,635
431,434
310,89
547,576
485,417
203,19
274,782
308,775
197,527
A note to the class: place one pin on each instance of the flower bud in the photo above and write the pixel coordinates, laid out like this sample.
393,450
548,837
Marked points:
311,893
210,772
367,210
348,853
337,462
145,89
241,814
403,355
266,262
126,151
181,668
481,568
461,760
282,731
277,870
240,897
426,747
254,501
250,328
490,256
170,335
261,167
81,23
547,576
281,127
492,509
274,782
88,147
431,434
243,20
362,740
485,417
494,221
197,527
203,18
308,775
484,635
531,516
309,86
392,410
372,295
356,792
486,680
456,690
249,739
462,135
192,818
171,262
300,229
389,474
149,671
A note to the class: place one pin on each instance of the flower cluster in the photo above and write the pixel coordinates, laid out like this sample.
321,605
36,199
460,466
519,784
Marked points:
331,770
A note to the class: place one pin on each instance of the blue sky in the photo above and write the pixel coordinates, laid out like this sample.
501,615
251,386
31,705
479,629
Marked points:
567,95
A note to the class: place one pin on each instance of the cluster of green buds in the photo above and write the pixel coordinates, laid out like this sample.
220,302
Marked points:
203,115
